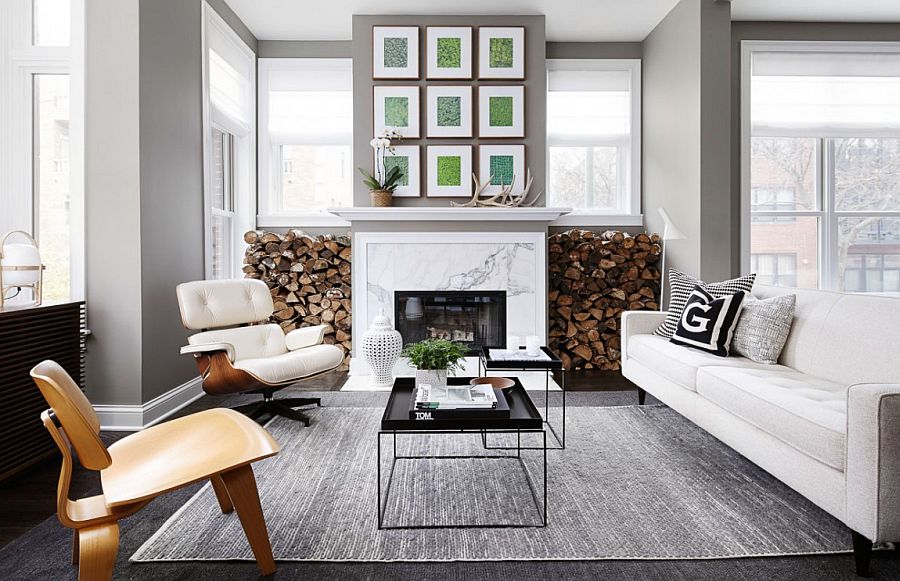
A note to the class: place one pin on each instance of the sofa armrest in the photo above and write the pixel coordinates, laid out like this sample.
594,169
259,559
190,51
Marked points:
195,350
305,337
873,460
639,323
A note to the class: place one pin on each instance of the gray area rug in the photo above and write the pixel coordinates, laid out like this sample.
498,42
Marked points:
634,483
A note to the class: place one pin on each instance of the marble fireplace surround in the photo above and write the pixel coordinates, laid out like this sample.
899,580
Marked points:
515,262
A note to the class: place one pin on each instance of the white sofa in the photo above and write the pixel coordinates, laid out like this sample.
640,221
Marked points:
825,420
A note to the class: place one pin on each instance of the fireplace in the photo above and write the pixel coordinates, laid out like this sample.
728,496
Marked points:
476,318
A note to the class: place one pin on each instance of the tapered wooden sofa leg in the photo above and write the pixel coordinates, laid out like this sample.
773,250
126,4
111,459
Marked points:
97,548
862,553
221,494
642,396
241,486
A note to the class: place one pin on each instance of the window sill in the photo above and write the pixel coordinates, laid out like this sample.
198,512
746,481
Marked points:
317,220
599,219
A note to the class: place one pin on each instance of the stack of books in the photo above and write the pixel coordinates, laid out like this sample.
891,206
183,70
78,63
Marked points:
457,402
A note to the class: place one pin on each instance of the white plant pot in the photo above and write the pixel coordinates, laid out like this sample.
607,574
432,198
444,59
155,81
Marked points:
436,378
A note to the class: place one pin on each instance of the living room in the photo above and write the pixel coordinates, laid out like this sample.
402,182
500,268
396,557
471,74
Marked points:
625,279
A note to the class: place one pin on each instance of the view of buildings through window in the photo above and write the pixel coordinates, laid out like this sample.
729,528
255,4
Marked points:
315,177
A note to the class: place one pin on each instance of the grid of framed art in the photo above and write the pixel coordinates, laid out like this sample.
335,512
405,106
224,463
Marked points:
456,106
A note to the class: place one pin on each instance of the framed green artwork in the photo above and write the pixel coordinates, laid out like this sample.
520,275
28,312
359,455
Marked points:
396,108
501,52
395,52
501,111
449,173
448,111
501,165
405,157
448,52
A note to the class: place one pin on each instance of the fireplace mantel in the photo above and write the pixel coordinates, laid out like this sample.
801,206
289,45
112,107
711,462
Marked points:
449,214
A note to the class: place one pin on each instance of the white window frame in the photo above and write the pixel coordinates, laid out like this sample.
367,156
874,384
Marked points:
244,150
20,60
633,195
270,163
828,217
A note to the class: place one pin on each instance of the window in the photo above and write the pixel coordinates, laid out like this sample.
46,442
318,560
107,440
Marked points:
51,22
306,137
776,269
593,135
228,147
823,137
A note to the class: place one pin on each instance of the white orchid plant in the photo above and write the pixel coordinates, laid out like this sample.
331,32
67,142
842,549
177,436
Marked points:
384,180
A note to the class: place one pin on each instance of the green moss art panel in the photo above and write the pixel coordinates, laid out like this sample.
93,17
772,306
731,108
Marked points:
396,111
500,111
501,53
396,53
502,170
449,111
449,52
400,161
449,170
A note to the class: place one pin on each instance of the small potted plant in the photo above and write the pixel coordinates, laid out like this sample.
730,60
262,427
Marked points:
384,181
434,359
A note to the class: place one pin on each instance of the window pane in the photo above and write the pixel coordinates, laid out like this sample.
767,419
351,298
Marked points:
786,254
868,254
51,181
222,175
315,177
783,174
51,22
606,187
568,176
867,174
222,230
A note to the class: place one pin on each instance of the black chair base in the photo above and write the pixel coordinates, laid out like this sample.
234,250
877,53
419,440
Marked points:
270,407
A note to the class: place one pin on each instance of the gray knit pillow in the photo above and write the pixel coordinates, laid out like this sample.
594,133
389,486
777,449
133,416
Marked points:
763,328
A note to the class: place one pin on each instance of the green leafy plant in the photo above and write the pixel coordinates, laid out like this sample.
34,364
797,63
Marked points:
393,178
436,354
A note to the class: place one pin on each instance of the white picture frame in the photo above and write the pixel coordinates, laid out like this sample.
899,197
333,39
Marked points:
501,111
448,111
395,52
390,113
440,184
488,160
441,39
501,52
413,186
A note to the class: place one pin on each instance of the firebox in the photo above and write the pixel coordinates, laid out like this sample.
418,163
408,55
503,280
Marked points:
476,318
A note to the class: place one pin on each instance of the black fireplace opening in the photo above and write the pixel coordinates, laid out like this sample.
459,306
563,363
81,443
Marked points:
475,318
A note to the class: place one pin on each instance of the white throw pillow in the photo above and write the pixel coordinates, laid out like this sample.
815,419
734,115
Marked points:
763,328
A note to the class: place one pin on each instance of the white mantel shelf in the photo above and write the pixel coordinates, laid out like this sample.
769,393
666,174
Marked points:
449,214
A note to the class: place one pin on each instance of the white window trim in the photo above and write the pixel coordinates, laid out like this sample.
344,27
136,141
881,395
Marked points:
268,163
596,217
244,183
828,229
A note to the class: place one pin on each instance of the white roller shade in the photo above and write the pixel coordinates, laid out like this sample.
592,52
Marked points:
588,106
815,94
230,80
311,101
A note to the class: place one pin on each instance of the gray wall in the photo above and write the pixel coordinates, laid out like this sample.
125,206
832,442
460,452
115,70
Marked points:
304,49
112,201
535,96
594,50
808,31
686,134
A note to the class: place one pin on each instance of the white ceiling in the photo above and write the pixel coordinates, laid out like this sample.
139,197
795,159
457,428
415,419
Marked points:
567,20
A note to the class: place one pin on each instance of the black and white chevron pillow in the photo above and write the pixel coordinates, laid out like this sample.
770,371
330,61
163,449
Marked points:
708,323
680,287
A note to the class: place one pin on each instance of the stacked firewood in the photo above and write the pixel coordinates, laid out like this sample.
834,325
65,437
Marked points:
309,278
593,278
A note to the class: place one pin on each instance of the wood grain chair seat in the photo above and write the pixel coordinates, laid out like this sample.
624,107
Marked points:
218,445
237,350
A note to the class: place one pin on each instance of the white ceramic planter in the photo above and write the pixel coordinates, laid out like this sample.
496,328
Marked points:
436,378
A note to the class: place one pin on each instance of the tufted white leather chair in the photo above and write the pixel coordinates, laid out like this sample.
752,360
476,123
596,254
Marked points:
237,351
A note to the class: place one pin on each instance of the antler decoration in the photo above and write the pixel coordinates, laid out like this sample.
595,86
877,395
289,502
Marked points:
505,198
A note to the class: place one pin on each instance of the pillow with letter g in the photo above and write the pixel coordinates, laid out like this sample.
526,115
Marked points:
708,323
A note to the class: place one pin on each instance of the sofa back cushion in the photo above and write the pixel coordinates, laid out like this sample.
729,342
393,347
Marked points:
847,338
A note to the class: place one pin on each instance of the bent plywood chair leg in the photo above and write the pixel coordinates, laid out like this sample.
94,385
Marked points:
97,547
221,493
74,546
241,487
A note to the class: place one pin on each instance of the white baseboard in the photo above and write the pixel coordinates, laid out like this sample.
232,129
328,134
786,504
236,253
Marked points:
132,418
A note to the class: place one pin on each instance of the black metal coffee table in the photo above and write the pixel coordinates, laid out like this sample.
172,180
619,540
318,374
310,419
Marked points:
524,417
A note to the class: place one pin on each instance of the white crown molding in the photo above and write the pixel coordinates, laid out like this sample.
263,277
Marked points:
133,418
449,214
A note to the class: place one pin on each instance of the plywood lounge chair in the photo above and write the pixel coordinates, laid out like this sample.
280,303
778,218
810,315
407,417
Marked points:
218,445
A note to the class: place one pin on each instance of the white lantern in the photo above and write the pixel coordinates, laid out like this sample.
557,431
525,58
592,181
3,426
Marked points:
20,268
381,348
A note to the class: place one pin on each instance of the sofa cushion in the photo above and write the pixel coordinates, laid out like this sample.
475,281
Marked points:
802,411
293,365
674,362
